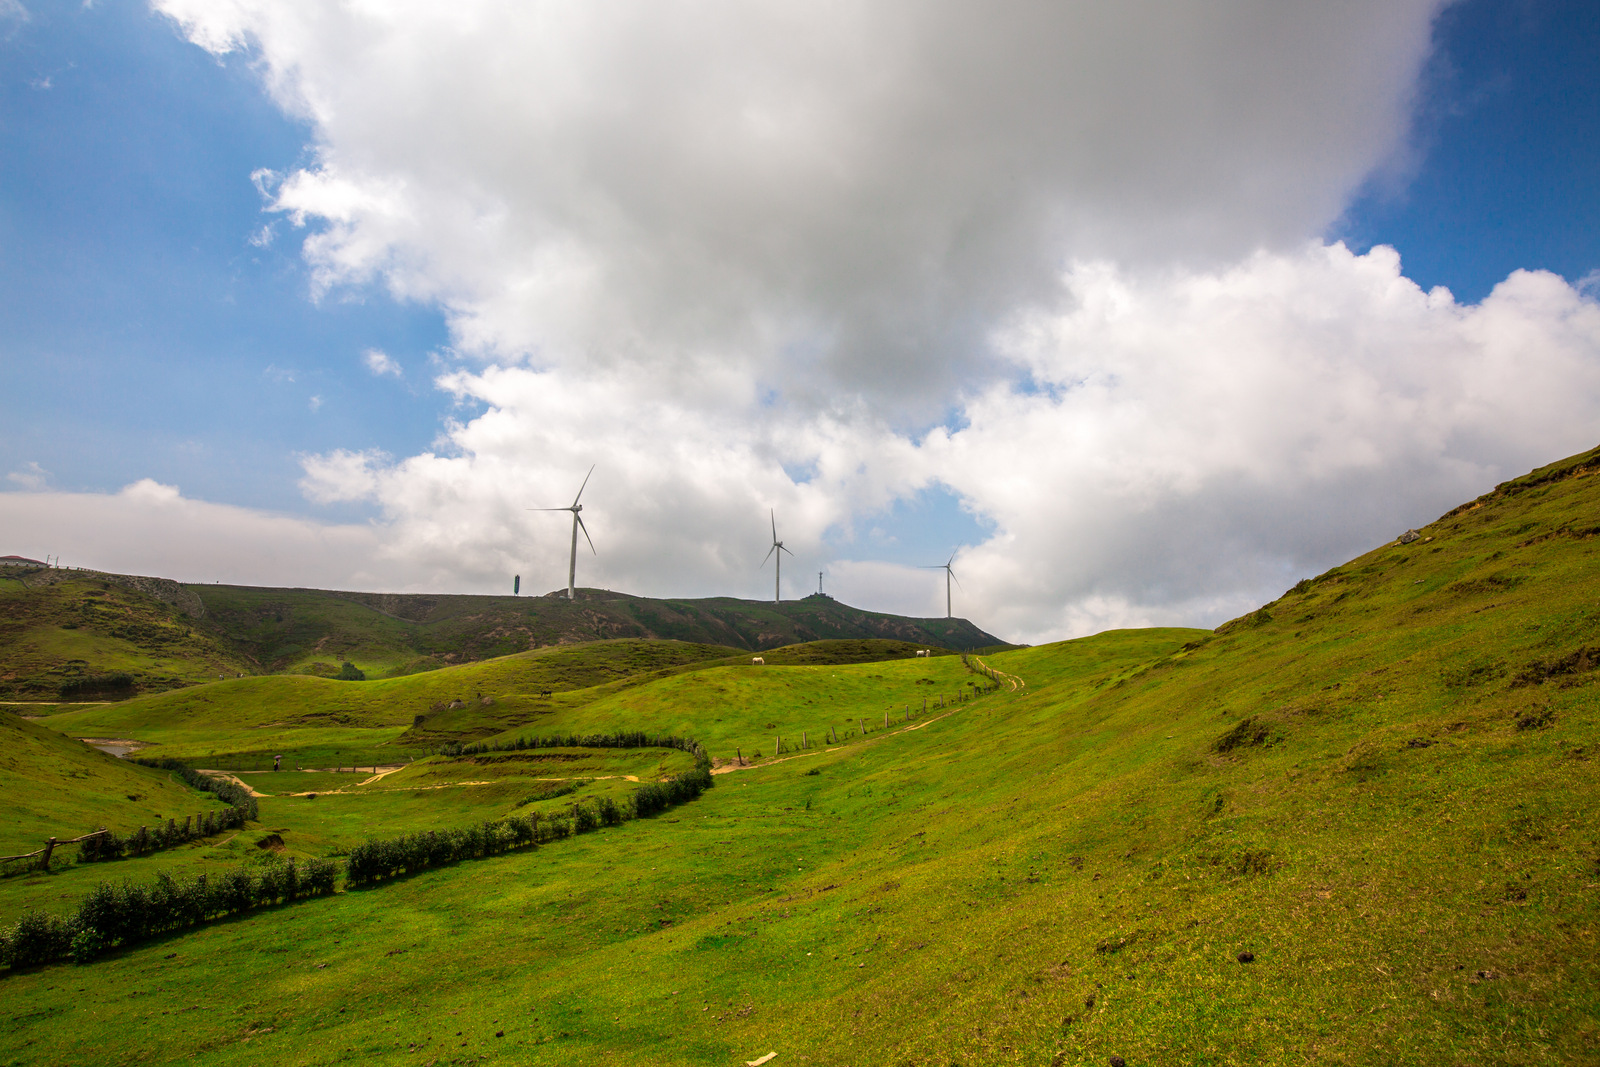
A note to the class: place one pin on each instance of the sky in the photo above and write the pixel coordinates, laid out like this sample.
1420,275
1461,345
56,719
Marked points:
1140,312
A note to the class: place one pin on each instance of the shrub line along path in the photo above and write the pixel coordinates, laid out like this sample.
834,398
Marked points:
390,770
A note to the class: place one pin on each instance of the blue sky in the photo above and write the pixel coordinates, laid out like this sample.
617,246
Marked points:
1507,151
158,322
145,336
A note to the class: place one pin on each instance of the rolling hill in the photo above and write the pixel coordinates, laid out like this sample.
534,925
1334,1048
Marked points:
1356,825
86,635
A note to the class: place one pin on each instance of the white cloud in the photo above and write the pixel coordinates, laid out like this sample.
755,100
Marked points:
1186,446
380,364
149,528
1052,256
827,196
315,403
31,476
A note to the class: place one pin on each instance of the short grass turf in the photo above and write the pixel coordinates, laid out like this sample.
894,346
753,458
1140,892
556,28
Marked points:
54,786
1355,826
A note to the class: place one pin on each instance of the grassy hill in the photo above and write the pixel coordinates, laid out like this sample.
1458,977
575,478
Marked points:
83,635
54,786
1354,826
77,635
313,631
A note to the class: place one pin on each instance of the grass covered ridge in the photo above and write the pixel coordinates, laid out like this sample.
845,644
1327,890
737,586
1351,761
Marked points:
1354,826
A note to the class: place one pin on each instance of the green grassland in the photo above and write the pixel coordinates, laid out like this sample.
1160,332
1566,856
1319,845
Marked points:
312,631
1380,787
240,724
54,786
78,628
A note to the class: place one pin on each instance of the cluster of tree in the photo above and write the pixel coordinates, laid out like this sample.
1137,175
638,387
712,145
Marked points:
113,915
96,683
228,792
110,845
632,739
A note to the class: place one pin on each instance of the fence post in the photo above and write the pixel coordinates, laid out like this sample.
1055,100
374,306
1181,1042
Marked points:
924,705
49,847
777,743
805,739
738,754
885,720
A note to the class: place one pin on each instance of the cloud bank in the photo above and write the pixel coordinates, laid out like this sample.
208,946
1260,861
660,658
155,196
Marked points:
1061,261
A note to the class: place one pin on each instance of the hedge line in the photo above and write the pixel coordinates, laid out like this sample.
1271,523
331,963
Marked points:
410,853
631,739
228,792
125,914
112,846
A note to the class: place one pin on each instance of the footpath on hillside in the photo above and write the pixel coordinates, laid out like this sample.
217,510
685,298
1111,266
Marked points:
1012,682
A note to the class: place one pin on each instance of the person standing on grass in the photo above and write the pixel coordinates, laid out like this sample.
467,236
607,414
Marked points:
276,760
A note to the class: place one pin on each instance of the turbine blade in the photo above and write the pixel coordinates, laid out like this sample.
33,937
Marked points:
768,556
952,558
780,548
546,509
958,581
585,530
774,516
581,488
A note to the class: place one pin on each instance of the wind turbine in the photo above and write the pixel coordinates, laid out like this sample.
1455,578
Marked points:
577,522
778,550
948,574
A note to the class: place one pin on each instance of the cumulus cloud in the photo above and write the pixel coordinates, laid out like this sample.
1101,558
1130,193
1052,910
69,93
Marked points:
380,363
1060,260
839,195
1177,448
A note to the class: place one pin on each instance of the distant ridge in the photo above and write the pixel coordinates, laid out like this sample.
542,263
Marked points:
100,635
278,628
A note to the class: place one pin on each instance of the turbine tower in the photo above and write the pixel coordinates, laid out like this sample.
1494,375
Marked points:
577,522
778,550
948,575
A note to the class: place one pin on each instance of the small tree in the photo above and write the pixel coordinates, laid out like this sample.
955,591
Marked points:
351,673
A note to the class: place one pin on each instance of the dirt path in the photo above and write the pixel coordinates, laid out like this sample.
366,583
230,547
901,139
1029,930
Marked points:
1011,680
235,779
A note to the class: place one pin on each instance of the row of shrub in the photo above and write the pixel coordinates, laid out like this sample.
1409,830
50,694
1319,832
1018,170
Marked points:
410,853
631,739
96,683
113,915
229,792
111,845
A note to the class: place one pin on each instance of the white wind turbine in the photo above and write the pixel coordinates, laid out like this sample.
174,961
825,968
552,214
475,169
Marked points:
948,575
577,522
778,550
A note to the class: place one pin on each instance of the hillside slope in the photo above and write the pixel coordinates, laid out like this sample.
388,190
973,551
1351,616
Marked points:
80,635
312,631
1356,826
87,635
52,785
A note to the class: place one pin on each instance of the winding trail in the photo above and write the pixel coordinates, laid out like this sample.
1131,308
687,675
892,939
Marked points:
1013,682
